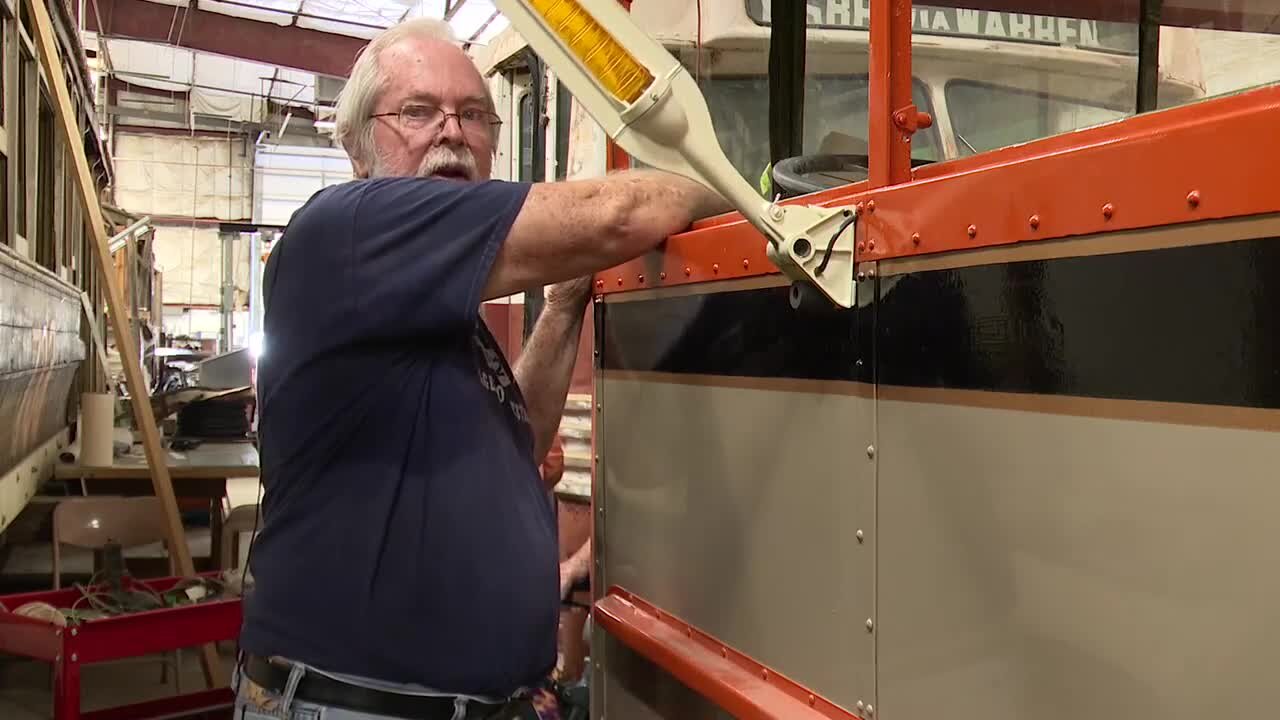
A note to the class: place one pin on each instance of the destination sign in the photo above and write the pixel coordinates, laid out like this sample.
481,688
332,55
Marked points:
960,22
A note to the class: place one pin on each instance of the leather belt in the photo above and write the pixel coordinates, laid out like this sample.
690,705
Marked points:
323,690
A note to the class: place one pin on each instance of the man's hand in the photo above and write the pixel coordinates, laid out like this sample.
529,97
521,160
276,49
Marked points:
570,294
576,567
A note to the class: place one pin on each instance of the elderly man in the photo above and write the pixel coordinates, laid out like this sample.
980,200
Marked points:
407,567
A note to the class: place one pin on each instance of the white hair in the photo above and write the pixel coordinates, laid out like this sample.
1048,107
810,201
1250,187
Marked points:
352,125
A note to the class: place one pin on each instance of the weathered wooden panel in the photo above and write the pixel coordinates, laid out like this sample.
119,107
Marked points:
40,350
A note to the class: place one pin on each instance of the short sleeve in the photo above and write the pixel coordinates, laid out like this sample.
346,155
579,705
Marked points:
422,250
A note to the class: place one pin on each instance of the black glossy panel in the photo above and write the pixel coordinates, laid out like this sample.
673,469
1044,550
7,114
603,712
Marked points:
753,333
1194,324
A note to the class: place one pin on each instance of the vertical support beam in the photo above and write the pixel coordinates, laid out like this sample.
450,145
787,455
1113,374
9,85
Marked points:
144,418
890,90
534,297
787,49
1149,56
227,298
255,282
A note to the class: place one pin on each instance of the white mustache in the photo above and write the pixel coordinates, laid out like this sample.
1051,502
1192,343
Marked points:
448,157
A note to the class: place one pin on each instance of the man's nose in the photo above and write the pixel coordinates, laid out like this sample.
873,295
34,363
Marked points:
451,131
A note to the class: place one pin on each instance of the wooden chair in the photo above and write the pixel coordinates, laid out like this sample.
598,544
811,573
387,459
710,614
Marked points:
93,523
241,519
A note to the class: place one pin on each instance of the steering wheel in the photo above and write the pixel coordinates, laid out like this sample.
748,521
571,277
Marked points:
804,174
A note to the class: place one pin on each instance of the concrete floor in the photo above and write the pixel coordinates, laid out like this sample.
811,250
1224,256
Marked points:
26,686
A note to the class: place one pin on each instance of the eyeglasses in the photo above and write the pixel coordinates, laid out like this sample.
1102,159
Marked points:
418,117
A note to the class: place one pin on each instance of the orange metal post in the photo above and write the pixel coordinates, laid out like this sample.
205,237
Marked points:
890,91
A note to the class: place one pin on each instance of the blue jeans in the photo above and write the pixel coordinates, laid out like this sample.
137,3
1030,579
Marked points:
254,702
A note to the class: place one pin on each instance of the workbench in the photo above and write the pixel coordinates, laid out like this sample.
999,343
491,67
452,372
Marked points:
200,473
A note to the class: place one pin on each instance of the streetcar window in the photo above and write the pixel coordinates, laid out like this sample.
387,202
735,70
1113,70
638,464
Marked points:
835,118
985,117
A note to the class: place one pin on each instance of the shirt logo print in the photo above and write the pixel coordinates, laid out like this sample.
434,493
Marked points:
494,378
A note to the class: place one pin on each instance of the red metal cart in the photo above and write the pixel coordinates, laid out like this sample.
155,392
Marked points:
143,633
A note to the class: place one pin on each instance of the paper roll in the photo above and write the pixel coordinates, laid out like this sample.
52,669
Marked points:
97,421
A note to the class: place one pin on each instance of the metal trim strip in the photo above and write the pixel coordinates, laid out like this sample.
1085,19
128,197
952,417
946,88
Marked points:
741,686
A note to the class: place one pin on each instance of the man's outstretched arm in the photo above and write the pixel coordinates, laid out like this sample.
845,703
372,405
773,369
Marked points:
545,366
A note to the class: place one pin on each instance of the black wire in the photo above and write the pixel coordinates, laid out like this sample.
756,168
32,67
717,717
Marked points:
848,220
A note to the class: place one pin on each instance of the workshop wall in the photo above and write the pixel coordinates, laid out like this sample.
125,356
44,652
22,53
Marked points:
193,177
190,256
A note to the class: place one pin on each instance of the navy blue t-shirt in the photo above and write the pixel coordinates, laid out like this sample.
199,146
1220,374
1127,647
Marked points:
407,536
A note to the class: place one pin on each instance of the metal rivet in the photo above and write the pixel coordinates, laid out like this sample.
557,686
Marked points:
687,272
871,206
915,238
973,231
1193,198
599,407
688,632
1034,221
619,280
1108,210
640,279
862,247
871,272
871,625
654,96
746,263
812,700
724,653
871,451
871,244
777,212
662,276
861,207
861,705
715,267
871,709
57,633
861,536
74,657
862,276
599,284
75,632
